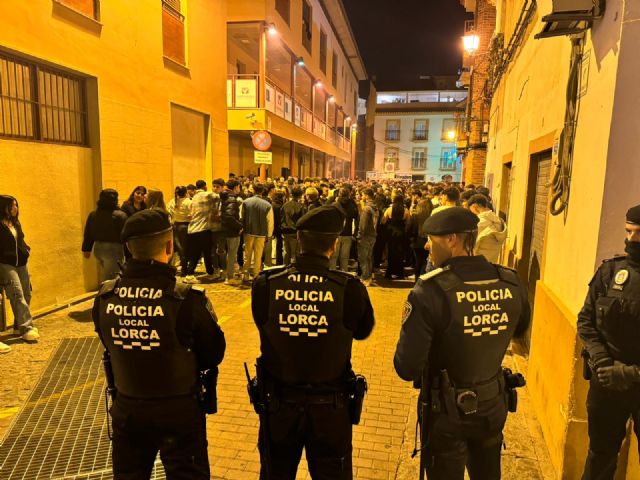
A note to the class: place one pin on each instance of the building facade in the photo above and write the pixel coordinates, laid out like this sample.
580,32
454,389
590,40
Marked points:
562,165
104,94
415,134
293,69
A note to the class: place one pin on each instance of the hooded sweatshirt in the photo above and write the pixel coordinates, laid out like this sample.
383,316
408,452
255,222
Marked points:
492,233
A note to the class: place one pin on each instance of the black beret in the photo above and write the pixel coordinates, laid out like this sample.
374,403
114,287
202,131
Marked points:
451,220
633,215
325,219
145,223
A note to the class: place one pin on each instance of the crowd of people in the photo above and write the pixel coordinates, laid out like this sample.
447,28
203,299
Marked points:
241,225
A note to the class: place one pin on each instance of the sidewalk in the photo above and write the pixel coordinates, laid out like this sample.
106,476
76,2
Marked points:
382,442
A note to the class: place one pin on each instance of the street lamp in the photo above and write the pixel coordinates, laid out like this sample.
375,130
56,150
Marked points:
318,84
451,135
300,61
332,99
271,30
471,43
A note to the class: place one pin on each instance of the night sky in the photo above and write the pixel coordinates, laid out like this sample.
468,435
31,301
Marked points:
399,38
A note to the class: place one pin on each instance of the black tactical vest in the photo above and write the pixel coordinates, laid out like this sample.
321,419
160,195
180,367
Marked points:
484,316
138,327
305,340
618,313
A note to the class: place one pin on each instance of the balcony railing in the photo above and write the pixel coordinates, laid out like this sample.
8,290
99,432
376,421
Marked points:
392,135
420,135
243,92
448,165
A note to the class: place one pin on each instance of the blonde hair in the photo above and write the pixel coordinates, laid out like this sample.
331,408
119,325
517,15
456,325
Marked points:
155,199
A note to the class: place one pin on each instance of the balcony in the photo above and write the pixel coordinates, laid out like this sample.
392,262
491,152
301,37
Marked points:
392,135
243,92
419,135
447,164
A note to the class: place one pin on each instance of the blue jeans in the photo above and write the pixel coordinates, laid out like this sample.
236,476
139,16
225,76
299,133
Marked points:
17,285
365,256
110,256
342,253
232,253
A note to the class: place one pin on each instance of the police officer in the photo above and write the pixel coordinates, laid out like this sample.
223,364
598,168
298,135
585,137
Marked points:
159,335
308,316
609,326
457,324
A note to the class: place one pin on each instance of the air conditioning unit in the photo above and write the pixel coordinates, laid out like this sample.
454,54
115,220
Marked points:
569,17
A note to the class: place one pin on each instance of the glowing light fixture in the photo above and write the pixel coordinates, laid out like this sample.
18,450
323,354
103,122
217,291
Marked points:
471,43
300,62
451,135
332,99
318,83
271,30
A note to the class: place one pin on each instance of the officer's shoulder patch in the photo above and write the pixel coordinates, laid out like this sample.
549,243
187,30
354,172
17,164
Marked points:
432,273
273,271
346,274
503,267
107,287
181,290
406,310
197,289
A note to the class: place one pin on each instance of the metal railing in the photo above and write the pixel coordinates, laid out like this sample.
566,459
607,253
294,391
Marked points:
420,135
393,135
448,165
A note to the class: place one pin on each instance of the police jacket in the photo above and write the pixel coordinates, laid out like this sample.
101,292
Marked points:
159,336
609,322
306,323
461,318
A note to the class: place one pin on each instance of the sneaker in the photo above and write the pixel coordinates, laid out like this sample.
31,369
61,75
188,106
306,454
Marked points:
190,279
31,335
4,348
16,331
233,282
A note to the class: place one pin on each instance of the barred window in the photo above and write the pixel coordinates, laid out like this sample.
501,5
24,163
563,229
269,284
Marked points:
41,103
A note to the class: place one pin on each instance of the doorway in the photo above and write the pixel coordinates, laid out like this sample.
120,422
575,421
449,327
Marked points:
536,216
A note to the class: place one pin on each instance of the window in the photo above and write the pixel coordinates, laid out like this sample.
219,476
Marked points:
307,28
391,156
448,159
283,7
323,52
89,8
419,159
392,132
334,70
449,129
173,44
420,129
41,103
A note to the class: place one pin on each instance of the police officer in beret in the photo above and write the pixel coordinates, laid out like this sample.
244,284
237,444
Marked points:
457,324
308,316
159,334
609,326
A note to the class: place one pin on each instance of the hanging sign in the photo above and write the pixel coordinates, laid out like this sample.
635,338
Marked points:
261,140
262,157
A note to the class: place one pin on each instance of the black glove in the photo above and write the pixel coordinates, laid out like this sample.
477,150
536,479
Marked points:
618,376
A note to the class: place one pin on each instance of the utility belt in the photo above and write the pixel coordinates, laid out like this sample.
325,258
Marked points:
458,401
266,395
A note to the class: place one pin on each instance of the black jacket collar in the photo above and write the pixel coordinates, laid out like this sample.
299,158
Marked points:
148,268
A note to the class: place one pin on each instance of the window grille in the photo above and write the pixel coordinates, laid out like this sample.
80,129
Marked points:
41,103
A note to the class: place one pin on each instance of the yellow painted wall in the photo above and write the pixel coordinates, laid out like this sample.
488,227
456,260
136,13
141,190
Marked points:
131,138
53,186
526,113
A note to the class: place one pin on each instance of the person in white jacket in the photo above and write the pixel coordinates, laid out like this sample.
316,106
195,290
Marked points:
492,230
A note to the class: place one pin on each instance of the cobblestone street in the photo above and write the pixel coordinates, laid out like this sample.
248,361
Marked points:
382,442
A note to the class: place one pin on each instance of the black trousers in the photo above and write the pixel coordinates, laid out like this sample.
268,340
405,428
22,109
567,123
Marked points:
199,245
324,431
421,256
174,427
473,441
608,412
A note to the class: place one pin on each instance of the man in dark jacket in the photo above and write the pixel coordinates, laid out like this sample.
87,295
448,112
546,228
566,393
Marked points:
350,211
231,226
102,234
306,357
291,213
158,334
